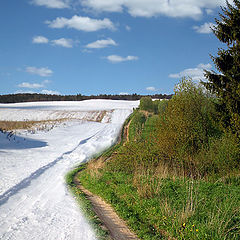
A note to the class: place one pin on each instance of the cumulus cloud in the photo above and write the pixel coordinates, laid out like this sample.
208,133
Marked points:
118,59
40,39
52,3
43,72
151,89
33,85
150,8
81,23
63,42
195,73
205,28
50,92
102,43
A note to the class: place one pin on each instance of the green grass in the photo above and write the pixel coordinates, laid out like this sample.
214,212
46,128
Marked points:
183,209
137,122
150,126
158,201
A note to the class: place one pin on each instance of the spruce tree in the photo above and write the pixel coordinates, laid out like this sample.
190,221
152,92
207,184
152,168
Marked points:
226,83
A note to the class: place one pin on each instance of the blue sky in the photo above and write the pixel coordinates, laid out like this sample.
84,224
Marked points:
104,46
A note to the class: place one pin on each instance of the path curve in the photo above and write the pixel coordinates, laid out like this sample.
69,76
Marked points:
116,226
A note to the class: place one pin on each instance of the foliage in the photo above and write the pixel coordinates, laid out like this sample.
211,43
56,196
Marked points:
222,157
180,209
190,117
162,106
137,124
156,106
226,84
185,139
177,176
146,104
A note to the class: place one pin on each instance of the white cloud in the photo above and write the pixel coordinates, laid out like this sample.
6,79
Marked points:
52,3
209,11
128,28
51,92
81,23
63,42
150,8
205,28
86,51
123,93
40,39
30,85
102,43
104,5
33,85
118,59
195,73
151,89
43,72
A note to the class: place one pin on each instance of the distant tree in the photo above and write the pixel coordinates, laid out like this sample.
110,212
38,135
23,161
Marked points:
146,104
226,84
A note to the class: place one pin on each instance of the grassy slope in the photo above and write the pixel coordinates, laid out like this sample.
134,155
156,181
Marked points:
158,207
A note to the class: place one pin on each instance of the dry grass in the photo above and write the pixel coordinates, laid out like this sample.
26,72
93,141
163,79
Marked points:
14,125
101,116
28,125
95,165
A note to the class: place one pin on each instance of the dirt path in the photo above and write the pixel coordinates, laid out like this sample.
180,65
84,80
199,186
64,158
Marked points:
116,226
127,130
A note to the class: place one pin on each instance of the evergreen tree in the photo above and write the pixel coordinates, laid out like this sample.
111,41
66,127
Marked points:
226,84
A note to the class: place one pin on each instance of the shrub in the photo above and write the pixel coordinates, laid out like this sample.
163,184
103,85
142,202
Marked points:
162,106
222,157
136,126
190,115
146,104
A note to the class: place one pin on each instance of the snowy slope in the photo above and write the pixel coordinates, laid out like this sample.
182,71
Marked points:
84,110
34,201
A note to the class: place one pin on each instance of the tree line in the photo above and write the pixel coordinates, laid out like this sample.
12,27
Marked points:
35,97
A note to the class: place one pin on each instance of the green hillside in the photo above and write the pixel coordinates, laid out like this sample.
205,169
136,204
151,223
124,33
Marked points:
176,173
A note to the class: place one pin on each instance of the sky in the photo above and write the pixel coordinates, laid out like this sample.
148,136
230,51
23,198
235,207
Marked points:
93,47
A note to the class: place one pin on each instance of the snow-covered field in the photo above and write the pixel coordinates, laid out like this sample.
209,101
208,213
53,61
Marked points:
34,201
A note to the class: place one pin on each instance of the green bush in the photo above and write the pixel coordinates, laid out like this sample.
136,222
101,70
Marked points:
222,157
162,106
189,118
146,104
136,126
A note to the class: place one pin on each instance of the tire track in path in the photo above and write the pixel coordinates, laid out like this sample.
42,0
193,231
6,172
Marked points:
27,181
116,226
